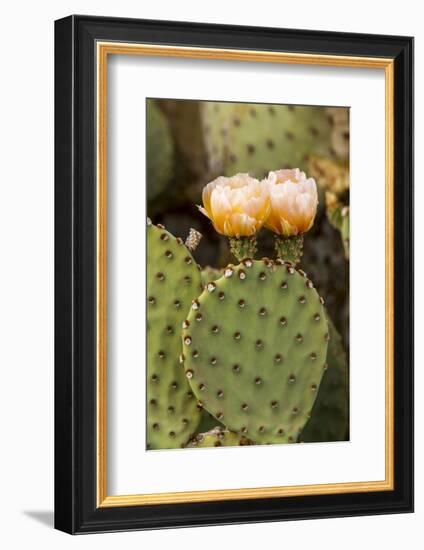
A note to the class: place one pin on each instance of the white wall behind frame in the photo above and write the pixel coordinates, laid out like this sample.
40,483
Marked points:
26,277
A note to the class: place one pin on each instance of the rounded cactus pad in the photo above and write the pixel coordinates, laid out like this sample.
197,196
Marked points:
255,138
254,348
218,437
173,280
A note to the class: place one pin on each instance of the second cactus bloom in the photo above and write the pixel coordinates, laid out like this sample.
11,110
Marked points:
293,206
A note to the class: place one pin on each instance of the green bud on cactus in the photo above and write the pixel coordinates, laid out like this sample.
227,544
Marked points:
243,247
289,249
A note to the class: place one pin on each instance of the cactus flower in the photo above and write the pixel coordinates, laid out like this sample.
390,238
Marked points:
237,206
294,201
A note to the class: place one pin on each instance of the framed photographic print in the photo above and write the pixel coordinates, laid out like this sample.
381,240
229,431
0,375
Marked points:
234,274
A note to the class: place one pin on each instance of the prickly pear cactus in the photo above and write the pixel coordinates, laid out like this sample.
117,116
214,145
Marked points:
330,414
218,437
159,153
254,137
255,345
173,280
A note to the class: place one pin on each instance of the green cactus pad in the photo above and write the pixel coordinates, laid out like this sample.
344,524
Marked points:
256,357
173,280
256,138
218,437
330,414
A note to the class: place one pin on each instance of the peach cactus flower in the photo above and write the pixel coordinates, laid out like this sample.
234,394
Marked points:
238,206
294,201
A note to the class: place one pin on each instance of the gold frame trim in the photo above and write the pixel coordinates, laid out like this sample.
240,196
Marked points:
104,49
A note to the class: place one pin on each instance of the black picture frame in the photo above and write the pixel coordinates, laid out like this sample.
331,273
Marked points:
76,510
